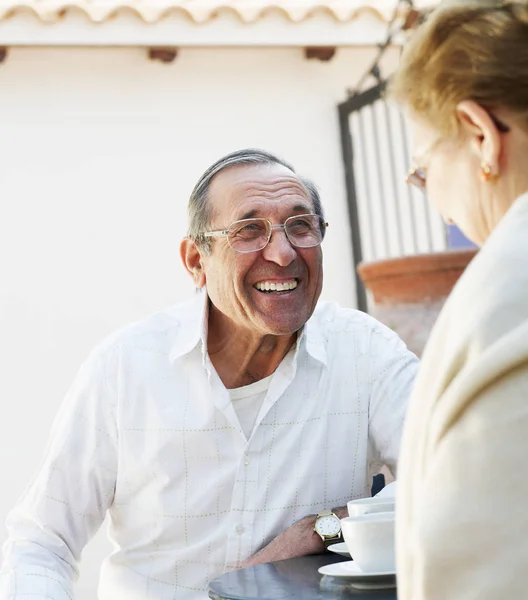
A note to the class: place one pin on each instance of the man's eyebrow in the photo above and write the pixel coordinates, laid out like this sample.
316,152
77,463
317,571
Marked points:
302,208
249,215
298,208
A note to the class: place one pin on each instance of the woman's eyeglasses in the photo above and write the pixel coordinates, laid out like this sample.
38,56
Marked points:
418,175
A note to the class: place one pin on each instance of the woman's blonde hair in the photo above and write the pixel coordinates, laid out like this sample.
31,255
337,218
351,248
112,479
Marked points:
466,50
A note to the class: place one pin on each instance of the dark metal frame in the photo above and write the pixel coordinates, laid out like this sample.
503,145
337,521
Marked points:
353,104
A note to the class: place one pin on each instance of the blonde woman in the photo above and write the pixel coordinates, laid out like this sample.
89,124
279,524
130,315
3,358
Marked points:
462,524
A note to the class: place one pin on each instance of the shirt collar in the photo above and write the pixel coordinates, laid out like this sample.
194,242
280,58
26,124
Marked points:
193,329
313,340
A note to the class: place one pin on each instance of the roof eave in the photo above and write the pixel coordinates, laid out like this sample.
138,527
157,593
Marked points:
227,30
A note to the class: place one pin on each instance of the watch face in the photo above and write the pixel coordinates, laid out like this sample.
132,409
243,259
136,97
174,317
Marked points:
329,525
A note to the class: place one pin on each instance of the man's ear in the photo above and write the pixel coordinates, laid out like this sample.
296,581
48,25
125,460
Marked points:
192,261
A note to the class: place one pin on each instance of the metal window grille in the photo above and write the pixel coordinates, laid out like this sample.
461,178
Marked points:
388,218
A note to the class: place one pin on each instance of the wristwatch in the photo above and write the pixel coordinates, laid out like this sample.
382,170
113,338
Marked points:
328,527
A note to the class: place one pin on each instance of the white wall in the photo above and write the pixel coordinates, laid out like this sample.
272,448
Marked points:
99,150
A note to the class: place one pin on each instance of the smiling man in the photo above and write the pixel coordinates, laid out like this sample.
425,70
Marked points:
226,431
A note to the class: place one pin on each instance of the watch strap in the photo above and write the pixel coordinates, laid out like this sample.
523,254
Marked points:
325,513
329,541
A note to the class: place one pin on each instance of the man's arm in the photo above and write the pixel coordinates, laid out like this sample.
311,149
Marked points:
67,501
392,375
298,540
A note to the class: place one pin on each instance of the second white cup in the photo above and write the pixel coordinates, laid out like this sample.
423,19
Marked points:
370,541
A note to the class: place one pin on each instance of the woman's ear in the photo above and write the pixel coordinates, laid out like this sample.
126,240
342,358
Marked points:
484,137
192,261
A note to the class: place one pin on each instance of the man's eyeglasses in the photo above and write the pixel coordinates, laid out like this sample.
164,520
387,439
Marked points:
418,175
252,235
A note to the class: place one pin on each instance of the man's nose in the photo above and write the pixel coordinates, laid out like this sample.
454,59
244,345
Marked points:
279,250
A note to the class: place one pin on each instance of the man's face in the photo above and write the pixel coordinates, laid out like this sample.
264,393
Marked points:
232,279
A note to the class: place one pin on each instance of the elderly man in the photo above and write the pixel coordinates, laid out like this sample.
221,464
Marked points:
223,431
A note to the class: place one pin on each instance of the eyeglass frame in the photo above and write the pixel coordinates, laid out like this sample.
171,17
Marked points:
273,226
421,172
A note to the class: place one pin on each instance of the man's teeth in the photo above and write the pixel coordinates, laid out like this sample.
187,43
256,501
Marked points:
266,286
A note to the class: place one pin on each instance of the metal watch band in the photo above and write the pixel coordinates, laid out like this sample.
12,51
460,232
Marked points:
334,540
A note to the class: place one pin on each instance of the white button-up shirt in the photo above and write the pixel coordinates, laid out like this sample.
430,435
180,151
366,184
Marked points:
148,433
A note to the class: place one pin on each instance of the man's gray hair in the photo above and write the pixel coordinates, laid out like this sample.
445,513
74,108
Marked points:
199,209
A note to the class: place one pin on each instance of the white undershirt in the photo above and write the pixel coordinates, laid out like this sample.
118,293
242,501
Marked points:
247,401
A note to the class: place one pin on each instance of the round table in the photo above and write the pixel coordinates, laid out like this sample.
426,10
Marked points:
292,579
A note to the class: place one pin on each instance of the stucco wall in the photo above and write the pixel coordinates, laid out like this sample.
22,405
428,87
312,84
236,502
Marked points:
99,151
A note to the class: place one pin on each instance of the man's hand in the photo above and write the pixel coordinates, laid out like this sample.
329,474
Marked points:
298,540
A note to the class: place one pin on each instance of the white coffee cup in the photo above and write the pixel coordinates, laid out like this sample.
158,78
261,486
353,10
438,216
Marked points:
370,541
370,505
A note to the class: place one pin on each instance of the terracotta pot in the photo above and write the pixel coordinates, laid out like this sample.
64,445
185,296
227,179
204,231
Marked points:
409,292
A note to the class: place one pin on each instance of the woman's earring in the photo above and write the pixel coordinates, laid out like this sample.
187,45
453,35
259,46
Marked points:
486,173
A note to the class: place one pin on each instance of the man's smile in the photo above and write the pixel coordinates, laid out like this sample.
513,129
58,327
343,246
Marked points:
276,286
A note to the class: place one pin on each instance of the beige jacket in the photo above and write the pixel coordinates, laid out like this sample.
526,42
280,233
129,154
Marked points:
462,512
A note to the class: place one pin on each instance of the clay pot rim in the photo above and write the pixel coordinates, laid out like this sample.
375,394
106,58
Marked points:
414,264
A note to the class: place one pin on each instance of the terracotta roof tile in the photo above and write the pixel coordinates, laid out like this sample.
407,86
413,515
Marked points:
199,11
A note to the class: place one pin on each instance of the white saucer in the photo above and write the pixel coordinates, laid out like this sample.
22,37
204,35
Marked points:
340,549
365,581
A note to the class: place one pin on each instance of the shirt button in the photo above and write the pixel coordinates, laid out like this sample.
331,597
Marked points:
240,529
247,460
